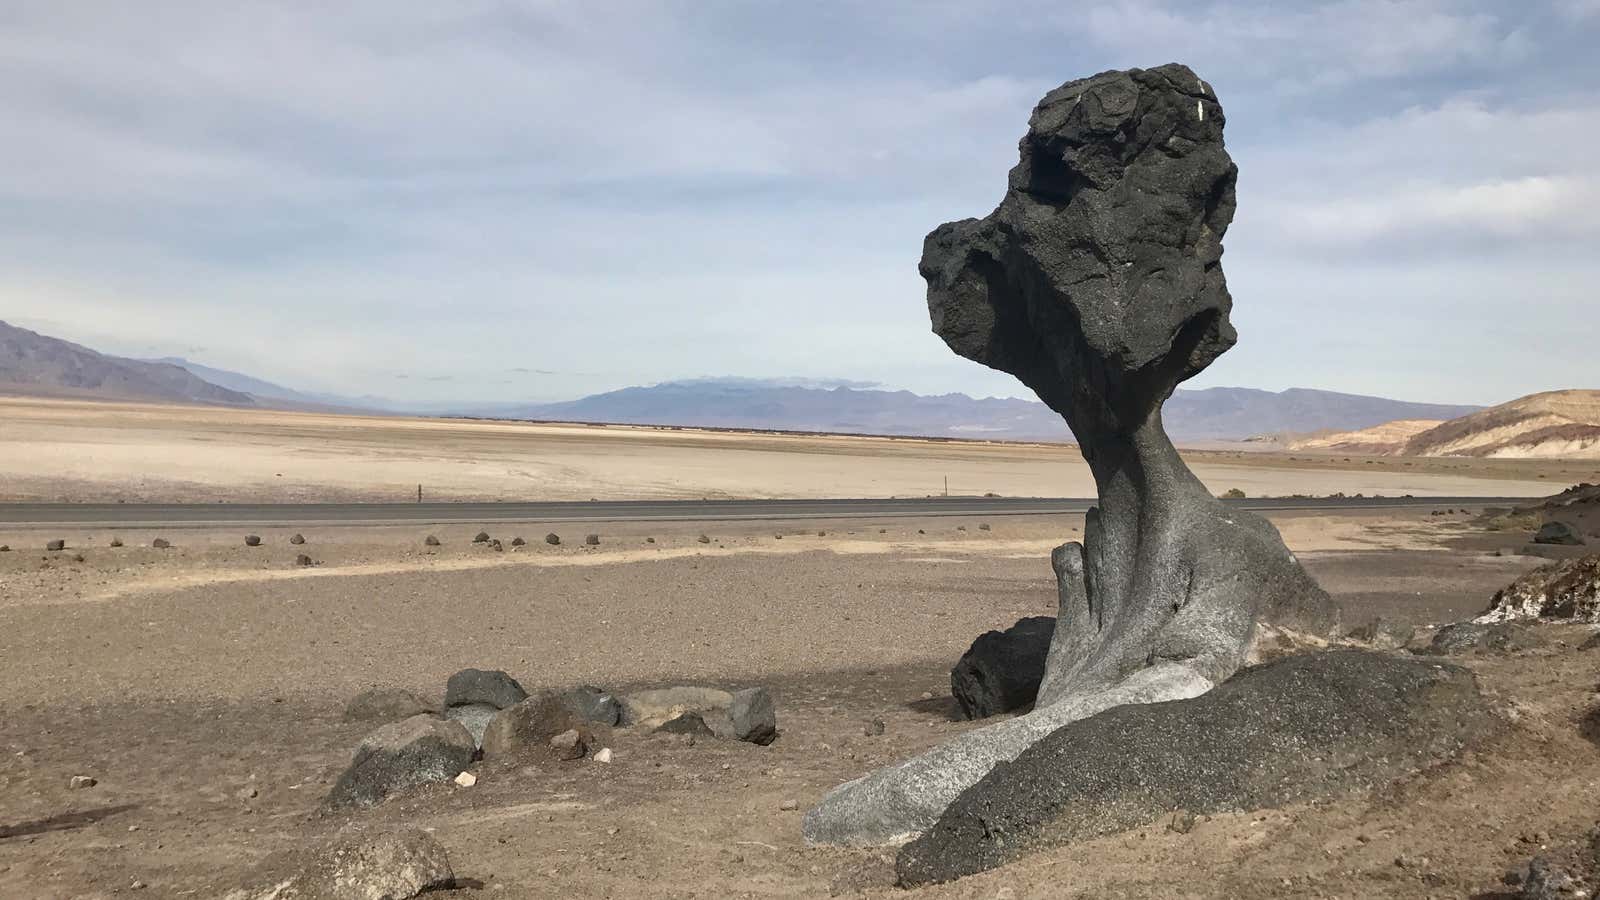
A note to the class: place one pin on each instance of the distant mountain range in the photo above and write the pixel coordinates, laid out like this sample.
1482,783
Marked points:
1198,415
36,364
32,363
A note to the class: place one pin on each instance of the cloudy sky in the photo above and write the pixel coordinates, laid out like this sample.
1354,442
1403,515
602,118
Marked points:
537,199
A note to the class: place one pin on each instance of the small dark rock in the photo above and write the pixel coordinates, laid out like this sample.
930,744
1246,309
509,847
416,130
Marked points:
116,542
1001,671
481,537
706,539
687,723
161,544
304,561
252,540
56,546
594,704
496,546
297,540
592,540
649,540
984,527
487,686
518,542
430,541
873,727
552,539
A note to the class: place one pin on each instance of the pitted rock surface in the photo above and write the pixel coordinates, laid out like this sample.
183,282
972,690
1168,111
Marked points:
401,755
1566,591
1302,728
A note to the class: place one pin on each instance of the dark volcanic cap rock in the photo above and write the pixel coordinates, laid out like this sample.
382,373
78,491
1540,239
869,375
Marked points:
1101,267
1304,727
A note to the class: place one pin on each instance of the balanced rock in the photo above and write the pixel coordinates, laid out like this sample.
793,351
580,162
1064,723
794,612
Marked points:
1555,532
401,755
386,703
1566,591
1002,670
530,725
375,866
1303,728
1097,282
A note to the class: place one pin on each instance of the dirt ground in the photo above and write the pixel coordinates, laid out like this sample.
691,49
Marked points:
77,451
203,685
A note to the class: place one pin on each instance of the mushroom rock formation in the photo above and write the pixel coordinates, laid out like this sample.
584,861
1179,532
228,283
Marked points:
1098,283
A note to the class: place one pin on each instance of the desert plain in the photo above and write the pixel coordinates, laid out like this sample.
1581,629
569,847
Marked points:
203,686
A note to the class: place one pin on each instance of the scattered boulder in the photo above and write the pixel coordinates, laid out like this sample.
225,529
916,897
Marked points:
56,545
487,686
687,723
1001,671
304,561
706,539
594,704
496,546
401,755
1565,591
1382,634
298,539
552,539
1303,728
252,540
386,703
747,715
591,540
375,866
5,548
161,544
481,537
531,725
1556,532
754,719
430,541
569,745
984,526
518,542
1475,638
116,542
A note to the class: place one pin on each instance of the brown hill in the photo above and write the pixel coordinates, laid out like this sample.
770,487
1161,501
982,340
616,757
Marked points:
1388,439
1555,424
34,364
1552,425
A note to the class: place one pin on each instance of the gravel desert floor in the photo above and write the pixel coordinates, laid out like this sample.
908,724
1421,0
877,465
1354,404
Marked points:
202,687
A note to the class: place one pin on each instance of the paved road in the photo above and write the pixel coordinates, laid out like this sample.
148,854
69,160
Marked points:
179,515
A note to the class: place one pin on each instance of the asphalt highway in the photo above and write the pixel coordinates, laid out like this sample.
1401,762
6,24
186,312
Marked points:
183,515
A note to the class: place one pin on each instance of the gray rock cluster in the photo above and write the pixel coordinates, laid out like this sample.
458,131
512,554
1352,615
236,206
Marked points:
1300,729
487,714
1098,283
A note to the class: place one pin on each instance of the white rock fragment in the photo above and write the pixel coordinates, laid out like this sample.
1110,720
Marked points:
604,756
466,779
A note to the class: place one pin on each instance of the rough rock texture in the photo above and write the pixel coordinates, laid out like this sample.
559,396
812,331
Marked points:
386,703
1302,728
1098,283
494,688
1567,591
402,755
384,866
1001,671
530,725
1474,638
1558,533
475,717
753,717
1382,634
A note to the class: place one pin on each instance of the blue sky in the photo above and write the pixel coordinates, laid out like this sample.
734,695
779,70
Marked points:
498,201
